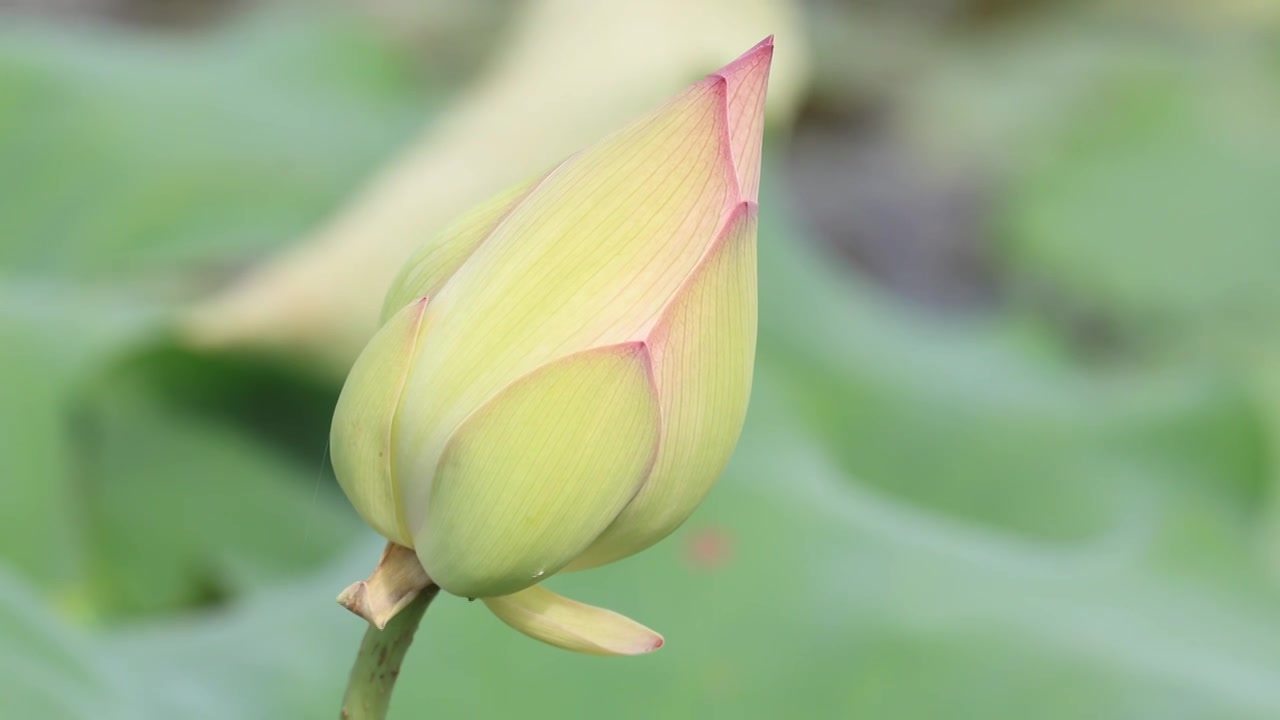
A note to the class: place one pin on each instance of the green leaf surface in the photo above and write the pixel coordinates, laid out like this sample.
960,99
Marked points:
802,587
131,165
964,420
1155,204
47,670
183,509
127,154
819,598
53,337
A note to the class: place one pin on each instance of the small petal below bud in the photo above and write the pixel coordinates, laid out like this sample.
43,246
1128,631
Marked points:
557,620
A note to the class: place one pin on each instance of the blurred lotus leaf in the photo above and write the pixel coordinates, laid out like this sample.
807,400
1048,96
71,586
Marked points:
1154,204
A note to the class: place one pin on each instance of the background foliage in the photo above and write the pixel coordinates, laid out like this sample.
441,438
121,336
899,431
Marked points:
1015,433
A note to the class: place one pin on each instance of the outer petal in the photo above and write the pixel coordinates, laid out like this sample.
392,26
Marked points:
360,438
747,79
590,258
431,266
703,353
557,620
537,473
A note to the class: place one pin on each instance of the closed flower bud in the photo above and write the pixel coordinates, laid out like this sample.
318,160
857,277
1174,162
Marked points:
563,374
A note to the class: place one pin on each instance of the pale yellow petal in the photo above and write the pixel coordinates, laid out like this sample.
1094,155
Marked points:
531,478
588,259
361,435
557,620
703,353
747,80
439,258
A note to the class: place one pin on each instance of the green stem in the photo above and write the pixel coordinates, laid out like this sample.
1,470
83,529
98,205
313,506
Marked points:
378,662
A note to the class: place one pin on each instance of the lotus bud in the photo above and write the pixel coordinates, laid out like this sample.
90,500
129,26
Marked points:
562,375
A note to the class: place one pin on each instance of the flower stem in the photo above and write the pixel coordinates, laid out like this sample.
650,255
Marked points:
378,662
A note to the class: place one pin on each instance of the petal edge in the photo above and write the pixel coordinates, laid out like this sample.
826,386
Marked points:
747,80
703,350
569,624
360,439
434,262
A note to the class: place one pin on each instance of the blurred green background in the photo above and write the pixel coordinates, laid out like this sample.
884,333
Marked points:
1015,436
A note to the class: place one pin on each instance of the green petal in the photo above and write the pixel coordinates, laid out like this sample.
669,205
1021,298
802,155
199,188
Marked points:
703,353
434,262
360,438
534,475
557,620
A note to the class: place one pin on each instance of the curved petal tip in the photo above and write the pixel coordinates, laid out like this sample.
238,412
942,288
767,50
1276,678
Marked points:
557,620
747,80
